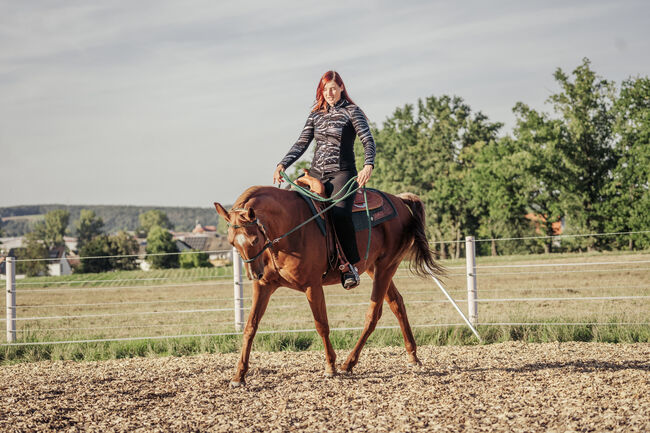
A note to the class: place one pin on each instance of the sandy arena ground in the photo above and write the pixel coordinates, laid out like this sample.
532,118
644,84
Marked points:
502,387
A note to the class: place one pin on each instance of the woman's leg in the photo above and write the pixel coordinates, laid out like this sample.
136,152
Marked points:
342,219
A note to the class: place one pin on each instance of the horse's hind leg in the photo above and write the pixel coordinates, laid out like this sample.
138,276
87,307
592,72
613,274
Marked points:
316,300
396,304
381,280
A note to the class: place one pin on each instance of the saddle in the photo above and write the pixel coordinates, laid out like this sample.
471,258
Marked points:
380,209
375,197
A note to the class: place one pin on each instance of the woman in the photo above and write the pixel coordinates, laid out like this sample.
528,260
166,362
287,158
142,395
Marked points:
334,122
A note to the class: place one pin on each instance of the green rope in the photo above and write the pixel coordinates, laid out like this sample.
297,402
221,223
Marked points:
365,198
347,190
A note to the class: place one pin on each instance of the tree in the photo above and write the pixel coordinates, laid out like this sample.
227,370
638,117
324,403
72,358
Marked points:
430,153
194,259
584,106
95,255
88,226
153,218
540,157
123,244
628,192
161,249
497,192
34,251
99,254
53,228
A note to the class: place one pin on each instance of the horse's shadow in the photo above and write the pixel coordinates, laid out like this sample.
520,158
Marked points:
431,370
581,366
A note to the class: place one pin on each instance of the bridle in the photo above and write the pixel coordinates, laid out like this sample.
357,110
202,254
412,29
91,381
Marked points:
259,224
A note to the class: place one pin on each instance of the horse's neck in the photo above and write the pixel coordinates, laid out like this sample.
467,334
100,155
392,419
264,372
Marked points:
279,210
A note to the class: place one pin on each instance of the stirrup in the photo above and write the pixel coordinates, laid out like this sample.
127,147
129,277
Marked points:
350,279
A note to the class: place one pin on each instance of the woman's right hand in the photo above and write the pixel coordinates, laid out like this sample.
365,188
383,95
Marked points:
276,174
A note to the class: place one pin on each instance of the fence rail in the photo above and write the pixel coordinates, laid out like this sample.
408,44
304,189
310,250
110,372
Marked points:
110,309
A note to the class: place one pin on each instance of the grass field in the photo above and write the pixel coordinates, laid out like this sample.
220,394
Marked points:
540,294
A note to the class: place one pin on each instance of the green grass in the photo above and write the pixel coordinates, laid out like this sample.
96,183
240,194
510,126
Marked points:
341,340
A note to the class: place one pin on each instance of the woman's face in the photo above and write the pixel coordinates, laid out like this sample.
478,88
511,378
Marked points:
332,92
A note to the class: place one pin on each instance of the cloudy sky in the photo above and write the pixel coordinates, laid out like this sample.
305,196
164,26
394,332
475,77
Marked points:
174,103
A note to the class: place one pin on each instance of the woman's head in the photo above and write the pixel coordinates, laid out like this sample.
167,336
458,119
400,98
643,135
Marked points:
329,91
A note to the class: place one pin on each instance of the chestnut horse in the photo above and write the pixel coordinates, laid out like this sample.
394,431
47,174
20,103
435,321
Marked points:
299,261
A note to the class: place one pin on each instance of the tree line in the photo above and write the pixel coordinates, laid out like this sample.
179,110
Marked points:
585,163
115,218
101,252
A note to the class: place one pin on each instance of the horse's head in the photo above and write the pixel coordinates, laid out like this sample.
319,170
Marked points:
247,234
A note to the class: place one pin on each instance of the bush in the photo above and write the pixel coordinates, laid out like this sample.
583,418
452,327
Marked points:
194,259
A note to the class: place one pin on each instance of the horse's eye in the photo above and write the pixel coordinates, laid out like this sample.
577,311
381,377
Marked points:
254,240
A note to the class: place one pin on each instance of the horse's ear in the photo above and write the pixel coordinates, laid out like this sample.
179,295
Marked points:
221,211
251,214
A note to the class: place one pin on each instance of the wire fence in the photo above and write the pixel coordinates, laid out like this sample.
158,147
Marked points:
578,290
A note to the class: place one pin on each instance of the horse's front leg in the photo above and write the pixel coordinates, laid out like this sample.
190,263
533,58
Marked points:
316,299
261,295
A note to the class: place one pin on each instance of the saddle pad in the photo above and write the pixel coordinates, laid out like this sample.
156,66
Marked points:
384,212
320,221
378,215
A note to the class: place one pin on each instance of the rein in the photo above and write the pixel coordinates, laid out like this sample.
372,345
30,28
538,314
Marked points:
345,192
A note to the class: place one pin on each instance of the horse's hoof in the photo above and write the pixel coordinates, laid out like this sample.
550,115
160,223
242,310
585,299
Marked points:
414,364
329,373
345,369
236,384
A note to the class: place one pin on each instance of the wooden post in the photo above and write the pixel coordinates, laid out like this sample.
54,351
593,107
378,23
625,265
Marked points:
239,290
11,300
470,258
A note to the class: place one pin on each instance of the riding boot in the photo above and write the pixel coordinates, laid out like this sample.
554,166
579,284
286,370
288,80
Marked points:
341,216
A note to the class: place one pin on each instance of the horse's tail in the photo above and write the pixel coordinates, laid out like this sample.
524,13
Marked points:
423,257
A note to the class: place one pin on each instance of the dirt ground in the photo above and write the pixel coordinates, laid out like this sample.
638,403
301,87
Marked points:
502,387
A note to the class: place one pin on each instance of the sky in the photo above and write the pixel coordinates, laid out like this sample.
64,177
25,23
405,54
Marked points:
170,103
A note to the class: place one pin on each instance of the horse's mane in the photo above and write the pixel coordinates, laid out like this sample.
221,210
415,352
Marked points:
248,195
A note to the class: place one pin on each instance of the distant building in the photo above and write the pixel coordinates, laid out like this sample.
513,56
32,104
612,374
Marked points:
205,238
204,229
59,264
9,244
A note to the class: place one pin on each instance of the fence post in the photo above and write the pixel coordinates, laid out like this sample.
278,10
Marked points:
239,290
11,300
470,258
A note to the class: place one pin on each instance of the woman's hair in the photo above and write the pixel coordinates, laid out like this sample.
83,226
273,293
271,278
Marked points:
320,104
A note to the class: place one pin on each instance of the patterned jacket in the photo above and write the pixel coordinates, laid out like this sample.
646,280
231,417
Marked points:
334,132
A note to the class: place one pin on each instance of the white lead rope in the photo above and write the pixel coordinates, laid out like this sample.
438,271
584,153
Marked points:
455,305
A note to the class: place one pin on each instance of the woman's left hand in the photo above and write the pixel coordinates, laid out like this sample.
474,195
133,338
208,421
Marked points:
364,175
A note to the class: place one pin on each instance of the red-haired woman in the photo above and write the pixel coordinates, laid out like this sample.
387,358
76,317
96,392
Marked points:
334,122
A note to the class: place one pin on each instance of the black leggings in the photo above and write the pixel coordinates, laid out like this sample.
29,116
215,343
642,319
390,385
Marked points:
342,212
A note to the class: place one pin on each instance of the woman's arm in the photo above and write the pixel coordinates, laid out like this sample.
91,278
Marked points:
362,129
301,145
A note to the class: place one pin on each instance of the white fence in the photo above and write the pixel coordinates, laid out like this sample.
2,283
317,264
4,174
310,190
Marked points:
631,275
